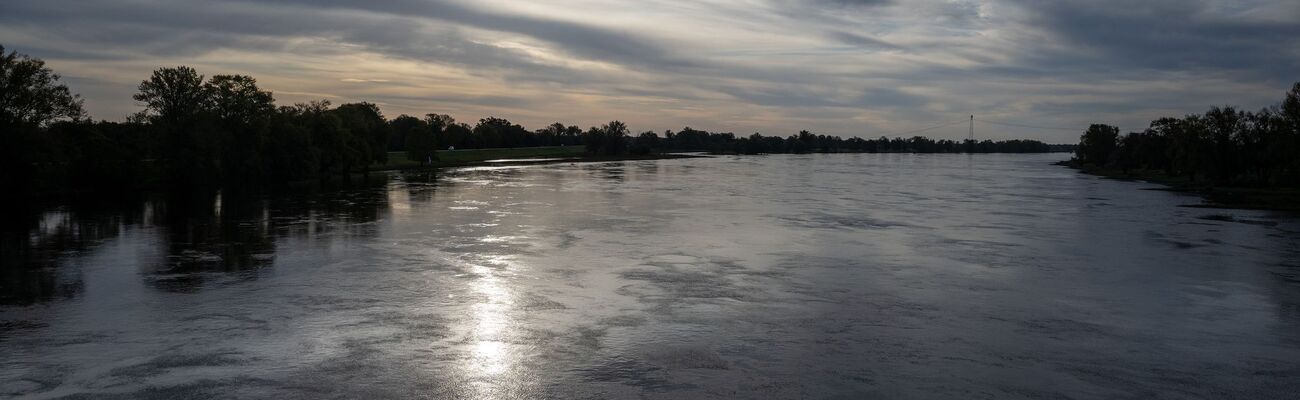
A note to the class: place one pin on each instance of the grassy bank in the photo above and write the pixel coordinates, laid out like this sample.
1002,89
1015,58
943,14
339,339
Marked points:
1216,196
521,155
450,158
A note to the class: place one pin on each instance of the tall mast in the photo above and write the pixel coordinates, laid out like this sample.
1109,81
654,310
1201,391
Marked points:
971,136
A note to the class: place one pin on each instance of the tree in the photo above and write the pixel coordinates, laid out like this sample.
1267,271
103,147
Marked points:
644,143
292,153
1225,125
609,139
1097,144
368,131
756,144
94,155
1260,141
333,151
1189,144
807,142
30,98
573,134
552,134
1126,152
177,103
173,94
419,136
499,132
457,134
441,125
1291,106
244,113
615,128
1287,152
30,93
441,120
236,99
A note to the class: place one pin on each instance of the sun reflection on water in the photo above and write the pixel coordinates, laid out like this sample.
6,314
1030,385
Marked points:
490,347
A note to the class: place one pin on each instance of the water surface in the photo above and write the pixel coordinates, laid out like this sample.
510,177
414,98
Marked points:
817,276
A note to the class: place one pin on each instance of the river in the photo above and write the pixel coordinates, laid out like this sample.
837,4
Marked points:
783,276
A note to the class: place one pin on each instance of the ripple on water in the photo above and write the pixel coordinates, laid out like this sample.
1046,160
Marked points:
808,276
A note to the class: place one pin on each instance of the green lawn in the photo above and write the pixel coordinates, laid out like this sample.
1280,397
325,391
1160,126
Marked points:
397,159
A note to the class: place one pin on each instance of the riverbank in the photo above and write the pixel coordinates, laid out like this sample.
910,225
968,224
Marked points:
1236,197
397,161
451,158
514,156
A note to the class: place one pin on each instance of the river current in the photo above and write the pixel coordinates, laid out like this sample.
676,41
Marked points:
783,276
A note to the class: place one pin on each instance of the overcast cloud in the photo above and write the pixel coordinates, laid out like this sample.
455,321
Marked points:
843,67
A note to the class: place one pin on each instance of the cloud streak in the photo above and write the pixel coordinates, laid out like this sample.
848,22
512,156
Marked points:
846,67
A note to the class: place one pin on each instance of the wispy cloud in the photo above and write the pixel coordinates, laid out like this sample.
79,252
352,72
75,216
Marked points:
847,67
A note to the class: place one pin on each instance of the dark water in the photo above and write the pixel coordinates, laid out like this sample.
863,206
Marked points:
849,276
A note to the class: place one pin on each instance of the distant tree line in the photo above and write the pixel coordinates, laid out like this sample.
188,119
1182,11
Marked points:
197,131
1224,146
806,142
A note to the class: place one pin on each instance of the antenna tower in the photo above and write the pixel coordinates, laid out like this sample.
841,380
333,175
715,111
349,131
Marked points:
971,136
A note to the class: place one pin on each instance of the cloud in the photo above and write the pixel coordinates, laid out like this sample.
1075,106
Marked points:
576,38
833,66
861,41
1170,34
854,3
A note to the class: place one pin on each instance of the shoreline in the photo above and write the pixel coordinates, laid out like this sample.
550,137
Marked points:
65,196
1216,197
538,160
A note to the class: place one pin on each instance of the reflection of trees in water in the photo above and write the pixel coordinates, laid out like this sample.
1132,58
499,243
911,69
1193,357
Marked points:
34,243
225,237
609,172
648,170
233,236
211,234
333,209
420,186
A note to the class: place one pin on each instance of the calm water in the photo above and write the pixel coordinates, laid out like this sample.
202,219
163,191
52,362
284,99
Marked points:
895,276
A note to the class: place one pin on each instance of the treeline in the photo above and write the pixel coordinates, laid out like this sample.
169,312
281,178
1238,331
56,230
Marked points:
193,132
1223,146
806,142
224,130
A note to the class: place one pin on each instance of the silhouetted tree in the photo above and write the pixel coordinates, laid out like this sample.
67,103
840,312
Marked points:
1288,137
177,103
557,134
244,113
499,132
367,132
30,97
293,153
1224,125
1097,144
609,139
420,136
1221,146
30,93
236,99
226,131
459,135
644,142
173,94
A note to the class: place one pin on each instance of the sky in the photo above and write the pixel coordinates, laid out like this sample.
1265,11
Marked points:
1026,69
